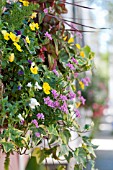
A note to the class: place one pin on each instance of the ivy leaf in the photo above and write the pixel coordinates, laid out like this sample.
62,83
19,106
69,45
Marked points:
14,133
52,130
78,167
63,150
32,164
65,135
39,155
8,146
91,151
61,167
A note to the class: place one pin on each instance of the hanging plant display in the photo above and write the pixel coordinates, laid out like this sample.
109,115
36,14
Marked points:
40,64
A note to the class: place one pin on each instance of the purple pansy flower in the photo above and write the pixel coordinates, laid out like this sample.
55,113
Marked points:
20,72
19,87
29,61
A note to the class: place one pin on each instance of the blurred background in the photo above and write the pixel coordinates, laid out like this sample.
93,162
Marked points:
96,24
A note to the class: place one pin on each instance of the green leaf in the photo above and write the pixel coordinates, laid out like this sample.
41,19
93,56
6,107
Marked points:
78,167
1,76
32,164
87,127
52,130
61,167
8,146
39,155
40,17
63,150
91,150
65,136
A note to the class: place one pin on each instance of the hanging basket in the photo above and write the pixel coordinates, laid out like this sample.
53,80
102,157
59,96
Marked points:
40,64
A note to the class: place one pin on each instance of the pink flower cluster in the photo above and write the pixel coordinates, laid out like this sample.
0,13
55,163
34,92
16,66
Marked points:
48,35
34,121
71,64
77,113
81,98
86,81
59,100
55,72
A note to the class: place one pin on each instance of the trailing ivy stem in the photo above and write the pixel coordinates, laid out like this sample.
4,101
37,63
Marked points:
7,161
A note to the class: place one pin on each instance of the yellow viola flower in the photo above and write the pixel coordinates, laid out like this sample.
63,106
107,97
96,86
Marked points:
71,40
32,26
11,57
64,38
82,54
81,85
5,34
34,14
78,104
34,69
27,40
78,46
14,38
18,47
46,88
25,3
37,26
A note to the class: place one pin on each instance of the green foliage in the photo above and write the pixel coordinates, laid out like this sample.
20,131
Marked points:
40,103
15,17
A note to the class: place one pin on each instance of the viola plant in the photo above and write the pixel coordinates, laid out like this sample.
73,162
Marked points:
40,65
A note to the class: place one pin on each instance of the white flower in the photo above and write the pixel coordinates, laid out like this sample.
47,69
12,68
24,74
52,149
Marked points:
33,64
29,84
20,117
33,103
37,87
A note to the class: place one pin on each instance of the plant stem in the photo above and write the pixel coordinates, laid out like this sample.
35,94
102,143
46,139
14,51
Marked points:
7,161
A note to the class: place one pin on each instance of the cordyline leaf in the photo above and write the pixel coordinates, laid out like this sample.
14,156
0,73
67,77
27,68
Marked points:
74,4
52,62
